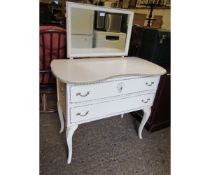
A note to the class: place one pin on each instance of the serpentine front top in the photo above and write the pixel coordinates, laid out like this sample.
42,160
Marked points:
90,70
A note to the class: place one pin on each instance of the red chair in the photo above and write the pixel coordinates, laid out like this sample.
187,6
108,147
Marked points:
52,45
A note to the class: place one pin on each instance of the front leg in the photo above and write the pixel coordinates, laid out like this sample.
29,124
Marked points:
59,98
69,134
146,115
60,114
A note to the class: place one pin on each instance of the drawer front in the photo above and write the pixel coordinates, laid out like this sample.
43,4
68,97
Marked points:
109,108
112,88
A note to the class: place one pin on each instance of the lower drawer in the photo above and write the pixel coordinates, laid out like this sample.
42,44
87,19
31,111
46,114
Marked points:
108,108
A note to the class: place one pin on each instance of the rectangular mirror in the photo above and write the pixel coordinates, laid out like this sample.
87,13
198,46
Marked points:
96,31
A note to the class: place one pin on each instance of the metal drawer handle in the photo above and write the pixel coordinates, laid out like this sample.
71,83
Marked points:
79,94
82,115
150,84
146,101
162,39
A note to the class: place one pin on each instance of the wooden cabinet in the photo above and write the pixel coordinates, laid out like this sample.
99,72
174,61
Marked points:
154,46
160,116
160,113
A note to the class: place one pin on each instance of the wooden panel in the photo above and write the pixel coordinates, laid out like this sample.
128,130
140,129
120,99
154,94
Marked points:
139,19
161,111
157,23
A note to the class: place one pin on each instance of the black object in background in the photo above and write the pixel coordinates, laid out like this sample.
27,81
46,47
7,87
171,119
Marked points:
135,41
45,14
124,24
156,47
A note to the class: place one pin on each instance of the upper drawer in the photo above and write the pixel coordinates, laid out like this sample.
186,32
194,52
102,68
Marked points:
81,93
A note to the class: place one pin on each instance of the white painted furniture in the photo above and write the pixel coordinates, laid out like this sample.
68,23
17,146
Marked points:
98,88
101,39
95,88
94,52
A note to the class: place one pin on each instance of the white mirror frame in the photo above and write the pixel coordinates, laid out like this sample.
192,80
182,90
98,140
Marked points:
100,52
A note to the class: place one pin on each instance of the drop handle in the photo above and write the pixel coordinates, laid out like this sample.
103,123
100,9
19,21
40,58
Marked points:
162,39
150,84
82,115
146,101
81,95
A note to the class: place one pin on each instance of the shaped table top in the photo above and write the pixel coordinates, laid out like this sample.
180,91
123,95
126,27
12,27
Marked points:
90,70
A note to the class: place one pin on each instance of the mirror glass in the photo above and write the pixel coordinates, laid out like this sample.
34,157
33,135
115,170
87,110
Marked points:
97,31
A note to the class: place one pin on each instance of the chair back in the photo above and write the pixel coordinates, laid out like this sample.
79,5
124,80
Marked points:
52,45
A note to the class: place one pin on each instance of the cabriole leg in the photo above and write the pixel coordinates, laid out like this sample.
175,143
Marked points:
69,134
146,115
60,113
60,117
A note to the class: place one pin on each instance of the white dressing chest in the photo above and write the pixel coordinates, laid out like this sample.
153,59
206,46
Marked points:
95,88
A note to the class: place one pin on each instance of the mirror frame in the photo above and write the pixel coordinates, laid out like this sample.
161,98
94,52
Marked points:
70,5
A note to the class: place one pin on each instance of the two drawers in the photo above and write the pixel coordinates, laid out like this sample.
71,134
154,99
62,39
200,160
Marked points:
114,100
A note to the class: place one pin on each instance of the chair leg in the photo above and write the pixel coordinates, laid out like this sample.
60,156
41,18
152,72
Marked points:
50,109
43,103
44,106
